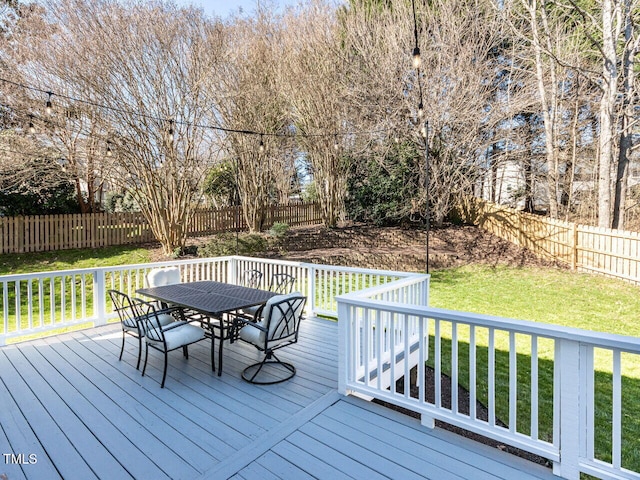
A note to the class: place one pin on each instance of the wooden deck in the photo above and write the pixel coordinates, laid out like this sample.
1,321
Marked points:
69,409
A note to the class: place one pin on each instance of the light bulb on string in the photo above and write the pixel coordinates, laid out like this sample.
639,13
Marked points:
49,105
420,110
109,152
416,57
170,132
32,128
423,132
336,145
261,146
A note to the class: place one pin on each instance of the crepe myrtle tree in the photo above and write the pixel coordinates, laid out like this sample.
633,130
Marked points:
149,89
256,111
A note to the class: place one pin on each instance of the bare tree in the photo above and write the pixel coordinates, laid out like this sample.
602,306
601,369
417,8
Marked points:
316,88
254,108
148,89
457,39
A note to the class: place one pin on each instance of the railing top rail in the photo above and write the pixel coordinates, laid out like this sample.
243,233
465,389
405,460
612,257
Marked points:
60,273
171,263
368,271
333,268
599,339
269,260
387,287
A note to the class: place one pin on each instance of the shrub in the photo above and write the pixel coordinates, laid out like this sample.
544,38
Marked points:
225,244
279,230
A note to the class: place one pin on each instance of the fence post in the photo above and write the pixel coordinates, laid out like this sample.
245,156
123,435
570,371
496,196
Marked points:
99,295
19,234
574,246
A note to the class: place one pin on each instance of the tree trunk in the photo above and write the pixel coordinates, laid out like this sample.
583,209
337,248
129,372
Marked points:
548,98
607,104
626,133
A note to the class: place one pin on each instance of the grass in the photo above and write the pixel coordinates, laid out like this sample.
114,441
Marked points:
72,259
60,260
544,295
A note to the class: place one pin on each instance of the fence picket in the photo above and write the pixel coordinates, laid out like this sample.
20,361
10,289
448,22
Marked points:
37,233
615,253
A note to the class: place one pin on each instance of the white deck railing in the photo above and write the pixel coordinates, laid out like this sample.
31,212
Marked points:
555,389
48,302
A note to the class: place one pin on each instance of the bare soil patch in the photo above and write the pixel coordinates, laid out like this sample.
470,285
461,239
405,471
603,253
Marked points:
391,248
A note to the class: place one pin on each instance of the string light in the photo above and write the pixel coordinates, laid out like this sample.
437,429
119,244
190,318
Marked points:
109,152
416,57
420,110
32,128
416,50
261,146
49,105
170,131
336,145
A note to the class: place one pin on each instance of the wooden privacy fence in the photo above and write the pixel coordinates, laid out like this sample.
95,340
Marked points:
36,233
610,252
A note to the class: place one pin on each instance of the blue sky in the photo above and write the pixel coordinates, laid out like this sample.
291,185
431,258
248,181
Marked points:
223,8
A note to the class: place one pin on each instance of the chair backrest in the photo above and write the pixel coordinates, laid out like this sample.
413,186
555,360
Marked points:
281,316
251,278
123,306
282,283
148,315
159,277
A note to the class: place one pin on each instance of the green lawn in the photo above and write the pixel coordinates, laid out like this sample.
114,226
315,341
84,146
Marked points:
553,296
72,259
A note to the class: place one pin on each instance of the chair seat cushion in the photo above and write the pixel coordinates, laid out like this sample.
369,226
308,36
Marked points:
252,335
132,323
177,337
251,311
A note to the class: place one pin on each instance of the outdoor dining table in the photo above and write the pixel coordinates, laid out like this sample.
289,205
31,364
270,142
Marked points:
210,301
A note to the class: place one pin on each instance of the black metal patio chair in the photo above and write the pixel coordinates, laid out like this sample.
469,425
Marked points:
251,278
282,283
130,320
166,338
275,326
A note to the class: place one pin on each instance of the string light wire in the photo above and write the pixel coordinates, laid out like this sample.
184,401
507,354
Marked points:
188,124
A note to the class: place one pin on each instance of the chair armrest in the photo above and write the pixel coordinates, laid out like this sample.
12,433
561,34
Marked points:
240,322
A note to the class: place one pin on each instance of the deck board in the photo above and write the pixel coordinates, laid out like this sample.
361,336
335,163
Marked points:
85,414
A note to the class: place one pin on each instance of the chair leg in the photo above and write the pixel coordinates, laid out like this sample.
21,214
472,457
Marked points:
139,352
220,353
185,352
146,357
122,349
164,375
